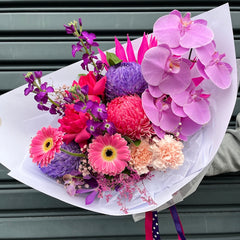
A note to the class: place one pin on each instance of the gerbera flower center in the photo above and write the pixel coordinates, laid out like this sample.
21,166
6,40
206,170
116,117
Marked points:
48,144
109,153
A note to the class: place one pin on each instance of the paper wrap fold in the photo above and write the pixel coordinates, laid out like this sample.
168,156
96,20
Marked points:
20,120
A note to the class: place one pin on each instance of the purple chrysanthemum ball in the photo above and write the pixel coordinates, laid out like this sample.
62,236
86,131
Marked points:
63,163
124,79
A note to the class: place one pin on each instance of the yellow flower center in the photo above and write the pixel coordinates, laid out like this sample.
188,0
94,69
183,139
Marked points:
47,145
109,153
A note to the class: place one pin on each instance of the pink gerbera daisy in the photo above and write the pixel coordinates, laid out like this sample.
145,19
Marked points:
109,154
45,144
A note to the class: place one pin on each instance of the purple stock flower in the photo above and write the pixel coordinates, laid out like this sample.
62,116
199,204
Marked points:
80,22
89,38
76,48
29,89
42,93
181,33
38,74
42,107
211,66
82,106
109,127
94,127
70,29
99,111
164,72
29,78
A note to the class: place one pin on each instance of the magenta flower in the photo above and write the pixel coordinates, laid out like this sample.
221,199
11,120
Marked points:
181,32
128,55
192,103
211,66
165,72
159,112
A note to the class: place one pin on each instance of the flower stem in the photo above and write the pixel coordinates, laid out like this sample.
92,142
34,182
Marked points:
190,53
73,154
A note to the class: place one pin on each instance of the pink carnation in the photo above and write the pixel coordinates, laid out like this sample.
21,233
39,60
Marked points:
108,154
141,157
167,153
74,124
130,120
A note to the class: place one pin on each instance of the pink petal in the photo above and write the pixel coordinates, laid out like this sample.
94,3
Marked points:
166,30
205,53
155,91
150,109
142,49
177,110
130,51
154,63
201,69
100,86
219,75
103,57
120,51
179,51
175,83
160,133
189,127
82,136
198,36
197,80
169,121
198,111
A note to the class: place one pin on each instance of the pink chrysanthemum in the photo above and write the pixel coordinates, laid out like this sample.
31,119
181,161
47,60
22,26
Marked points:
108,154
167,153
141,157
127,114
45,144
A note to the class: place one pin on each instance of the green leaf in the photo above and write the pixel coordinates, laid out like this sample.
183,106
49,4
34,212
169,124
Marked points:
81,74
137,143
112,59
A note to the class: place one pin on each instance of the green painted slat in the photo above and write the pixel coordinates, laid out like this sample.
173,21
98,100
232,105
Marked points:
100,21
27,198
103,226
50,51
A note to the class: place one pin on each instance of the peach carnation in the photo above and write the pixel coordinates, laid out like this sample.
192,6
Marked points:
141,157
167,153
129,118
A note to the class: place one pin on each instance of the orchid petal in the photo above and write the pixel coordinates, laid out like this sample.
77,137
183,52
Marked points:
198,111
189,127
160,133
150,109
155,91
175,83
197,36
201,69
154,63
205,53
177,110
219,75
120,51
166,30
130,51
169,121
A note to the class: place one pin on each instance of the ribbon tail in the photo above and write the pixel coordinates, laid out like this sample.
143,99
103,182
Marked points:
151,226
177,222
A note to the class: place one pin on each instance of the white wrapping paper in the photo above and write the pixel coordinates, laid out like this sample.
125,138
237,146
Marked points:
20,121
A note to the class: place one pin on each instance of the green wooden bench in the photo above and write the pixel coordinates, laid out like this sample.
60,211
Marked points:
32,37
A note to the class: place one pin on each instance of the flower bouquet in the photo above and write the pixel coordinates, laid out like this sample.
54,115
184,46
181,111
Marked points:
127,130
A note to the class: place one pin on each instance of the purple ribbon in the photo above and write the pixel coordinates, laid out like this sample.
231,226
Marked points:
177,222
